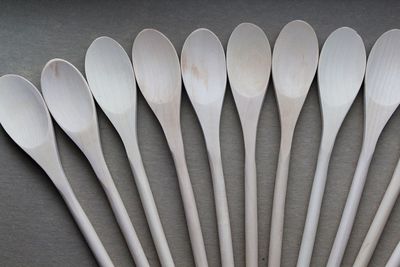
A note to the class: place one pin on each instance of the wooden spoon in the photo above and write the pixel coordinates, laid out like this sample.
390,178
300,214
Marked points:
249,67
382,96
69,100
158,74
378,224
294,63
112,82
25,118
341,71
204,75
394,260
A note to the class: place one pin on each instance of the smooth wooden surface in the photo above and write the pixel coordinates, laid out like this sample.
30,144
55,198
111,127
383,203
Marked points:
203,68
382,96
158,74
341,71
32,33
72,106
394,259
378,224
112,82
24,116
249,68
294,63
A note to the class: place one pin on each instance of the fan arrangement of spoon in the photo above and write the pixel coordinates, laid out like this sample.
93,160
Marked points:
111,79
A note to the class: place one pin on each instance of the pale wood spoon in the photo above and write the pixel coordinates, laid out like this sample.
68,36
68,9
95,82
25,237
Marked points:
249,67
112,82
378,224
394,260
72,106
158,75
382,97
341,71
204,75
25,118
294,63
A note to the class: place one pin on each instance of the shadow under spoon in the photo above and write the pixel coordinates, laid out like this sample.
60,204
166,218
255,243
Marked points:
341,71
158,74
25,118
71,104
248,60
204,75
112,82
382,97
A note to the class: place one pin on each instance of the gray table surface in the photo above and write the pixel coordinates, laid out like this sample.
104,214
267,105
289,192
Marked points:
36,228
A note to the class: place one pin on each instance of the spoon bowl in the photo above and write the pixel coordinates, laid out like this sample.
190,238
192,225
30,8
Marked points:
294,60
341,68
156,67
23,113
71,104
249,60
384,56
107,66
203,67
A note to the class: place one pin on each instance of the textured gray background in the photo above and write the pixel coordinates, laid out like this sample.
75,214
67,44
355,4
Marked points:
36,228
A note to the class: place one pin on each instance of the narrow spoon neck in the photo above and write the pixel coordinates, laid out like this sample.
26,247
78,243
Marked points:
286,141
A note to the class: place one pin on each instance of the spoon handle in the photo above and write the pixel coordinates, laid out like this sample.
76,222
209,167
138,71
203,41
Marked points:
85,226
120,212
350,209
149,206
174,138
278,205
381,217
394,260
221,204
250,192
314,204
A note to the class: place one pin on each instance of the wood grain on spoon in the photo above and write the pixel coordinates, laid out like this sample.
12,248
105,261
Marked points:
294,64
112,83
382,97
158,74
249,68
341,71
24,116
71,104
204,75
